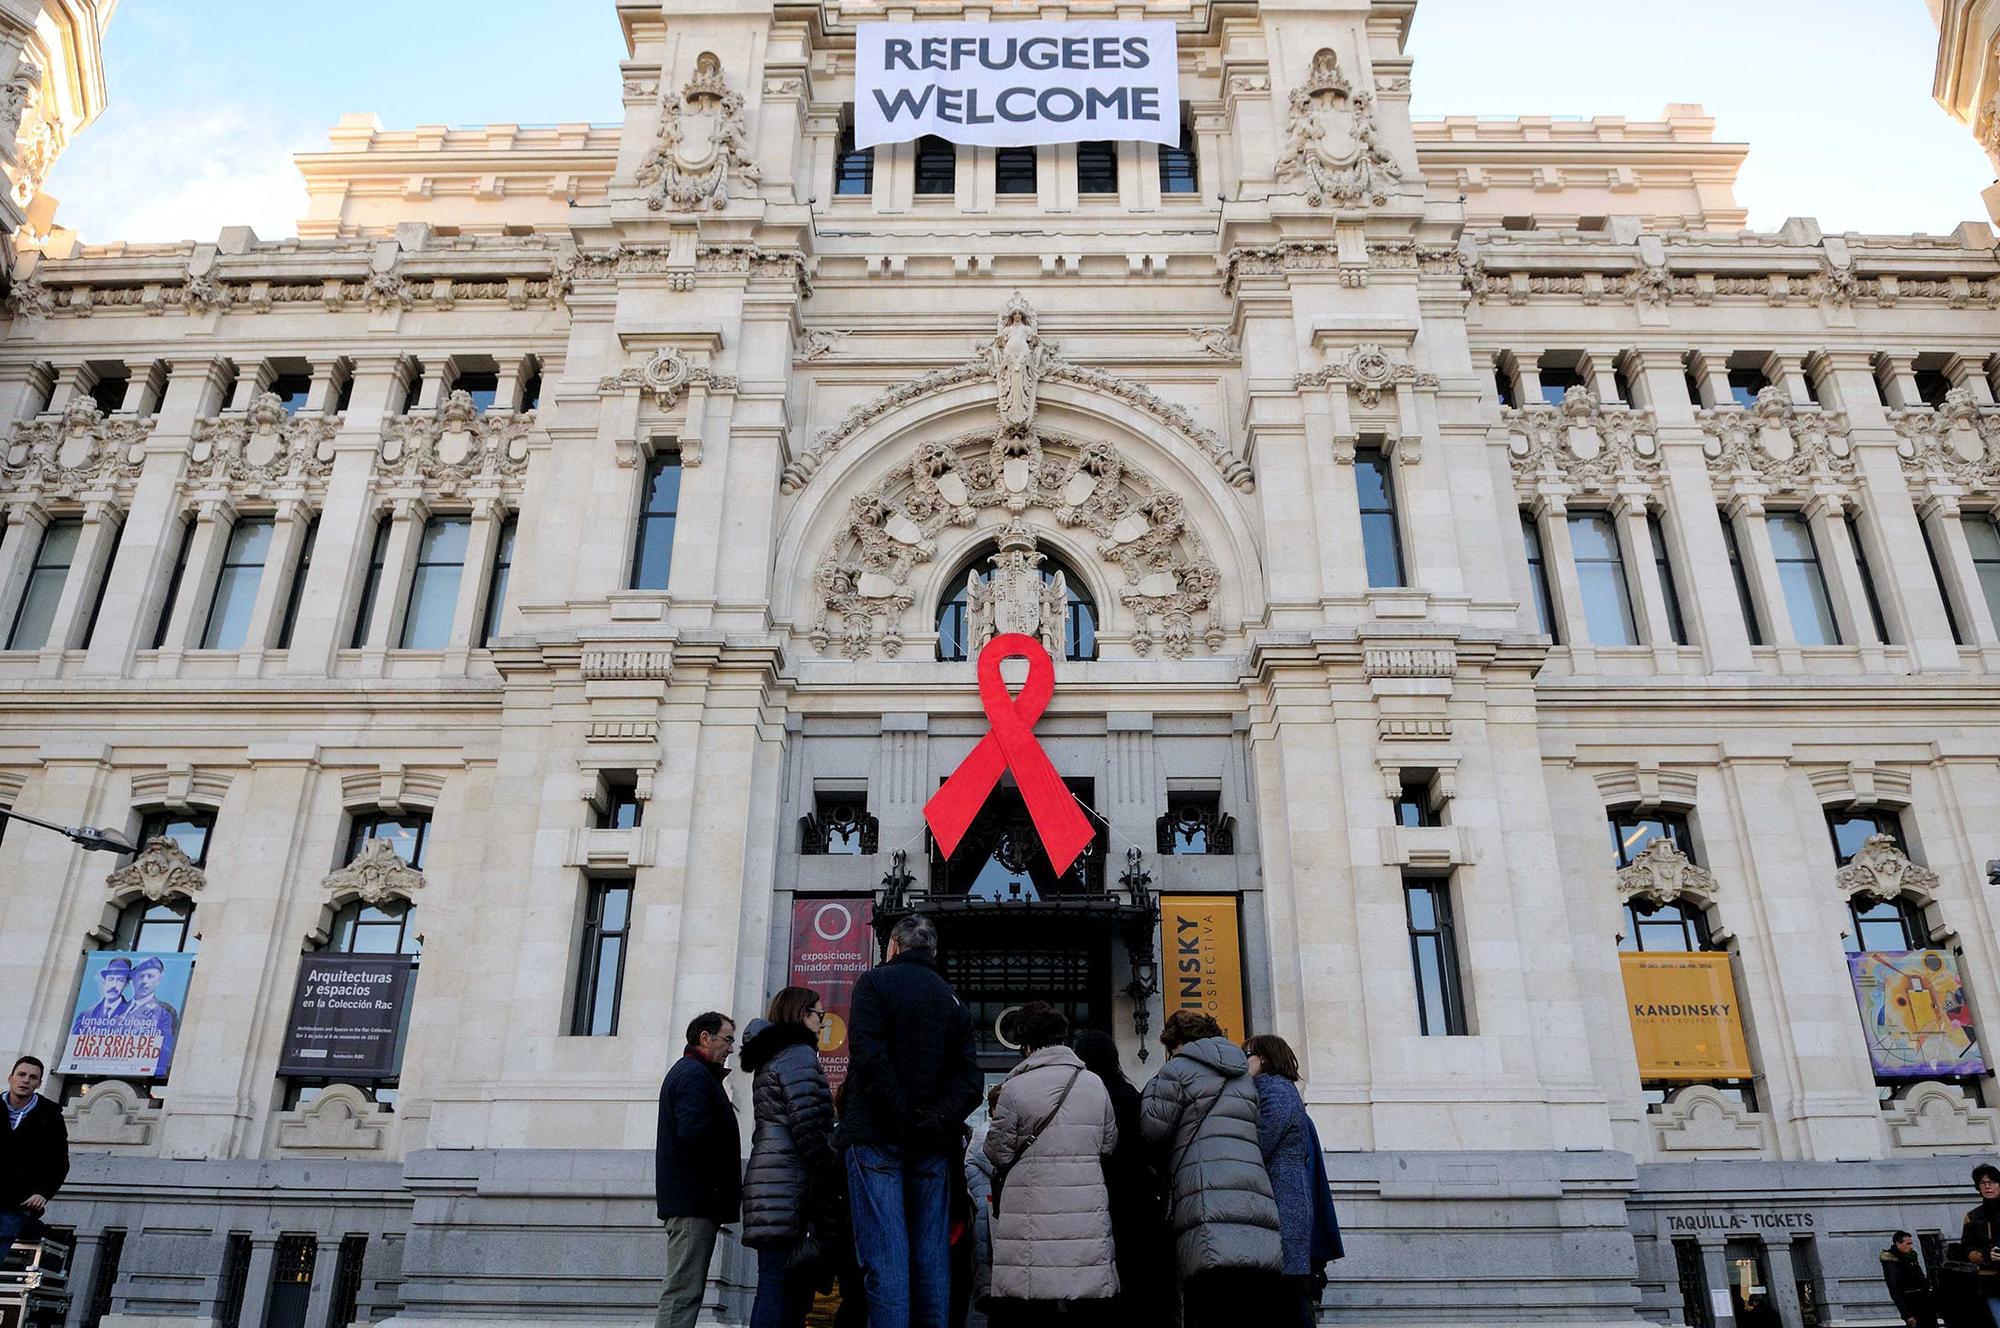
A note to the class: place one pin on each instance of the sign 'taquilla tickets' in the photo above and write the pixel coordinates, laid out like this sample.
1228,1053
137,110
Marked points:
1016,84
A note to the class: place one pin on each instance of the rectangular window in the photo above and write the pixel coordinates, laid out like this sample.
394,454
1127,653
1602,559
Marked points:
600,974
652,557
166,621
236,585
1180,169
937,166
103,583
1742,579
1663,563
1600,575
1097,167
39,598
1868,591
853,168
1944,590
434,587
496,586
371,584
1982,537
1016,171
1381,541
1799,572
1538,577
297,594
1434,955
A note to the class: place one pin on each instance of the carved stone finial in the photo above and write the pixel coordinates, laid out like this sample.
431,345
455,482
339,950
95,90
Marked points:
1661,871
1332,145
378,873
1881,870
161,870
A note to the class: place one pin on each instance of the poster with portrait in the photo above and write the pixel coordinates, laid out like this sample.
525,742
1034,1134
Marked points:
833,944
1915,1014
128,1014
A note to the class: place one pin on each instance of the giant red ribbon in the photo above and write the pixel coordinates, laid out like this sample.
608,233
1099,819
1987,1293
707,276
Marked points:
1011,745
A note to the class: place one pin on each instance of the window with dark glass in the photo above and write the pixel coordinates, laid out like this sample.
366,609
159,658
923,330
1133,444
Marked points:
853,168
371,584
1932,387
1600,575
1982,537
407,832
1663,564
1538,577
1079,611
103,583
1194,825
1745,384
1741,576
36,613
1868,591
1381,540
600,975
1804,582
1557,380
481,385
652,555
496,584
1180,168
1414,808
1015,171
1434,958
937,166
296,595
840,824
108,392
236,584
1097,167
166,620
434,586
291,390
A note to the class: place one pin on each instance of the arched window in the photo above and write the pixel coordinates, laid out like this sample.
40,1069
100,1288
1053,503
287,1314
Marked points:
954,624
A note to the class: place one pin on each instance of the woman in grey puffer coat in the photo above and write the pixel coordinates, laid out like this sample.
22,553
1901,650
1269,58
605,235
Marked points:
791,1188
1200,1112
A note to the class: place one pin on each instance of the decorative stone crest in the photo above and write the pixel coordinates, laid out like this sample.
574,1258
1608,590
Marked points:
1012,597
1331,143
1881,870
863,580
702,144
1662,872
161,871
1581,445
1776,445
82,450
377,874
265,448
456,449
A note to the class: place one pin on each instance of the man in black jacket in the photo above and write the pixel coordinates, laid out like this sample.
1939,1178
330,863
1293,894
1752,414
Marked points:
699,1183
1908,1287
34,1153
912,1080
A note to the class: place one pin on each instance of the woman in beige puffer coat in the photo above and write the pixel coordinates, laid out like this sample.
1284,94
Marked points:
1052,1235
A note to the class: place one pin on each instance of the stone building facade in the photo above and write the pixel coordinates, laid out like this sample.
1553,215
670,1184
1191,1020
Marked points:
557,555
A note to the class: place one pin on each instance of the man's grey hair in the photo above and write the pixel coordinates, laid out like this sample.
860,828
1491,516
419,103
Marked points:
915,934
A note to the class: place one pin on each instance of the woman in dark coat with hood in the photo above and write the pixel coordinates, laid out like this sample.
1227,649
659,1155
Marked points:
791,1188
1138,1212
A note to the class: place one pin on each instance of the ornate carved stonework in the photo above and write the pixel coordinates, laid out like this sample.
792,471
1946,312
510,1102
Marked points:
1041,363
1776,445
159,872
1582,445
1331,144
863,581
1012,596
1882,871
263,449
702,145
456,449
1662,872
378,873
81,451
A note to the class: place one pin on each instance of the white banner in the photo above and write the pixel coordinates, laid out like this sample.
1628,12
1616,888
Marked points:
1016,84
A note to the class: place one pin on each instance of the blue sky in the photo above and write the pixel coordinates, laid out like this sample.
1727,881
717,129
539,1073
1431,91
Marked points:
209,100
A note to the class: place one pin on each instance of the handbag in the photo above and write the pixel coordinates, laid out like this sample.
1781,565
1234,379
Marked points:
1000,1173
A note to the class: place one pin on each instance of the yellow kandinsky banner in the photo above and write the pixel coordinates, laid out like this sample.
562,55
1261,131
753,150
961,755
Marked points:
1204,965
1685,1020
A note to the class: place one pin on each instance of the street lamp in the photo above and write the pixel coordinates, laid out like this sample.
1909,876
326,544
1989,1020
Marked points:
87,836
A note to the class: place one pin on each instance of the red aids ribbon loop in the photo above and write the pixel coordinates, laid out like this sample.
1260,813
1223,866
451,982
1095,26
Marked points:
1011,745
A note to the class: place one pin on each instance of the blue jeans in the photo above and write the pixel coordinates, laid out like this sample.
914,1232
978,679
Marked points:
783,1296
902,1234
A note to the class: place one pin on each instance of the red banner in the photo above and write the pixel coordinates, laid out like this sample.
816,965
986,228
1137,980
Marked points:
833,944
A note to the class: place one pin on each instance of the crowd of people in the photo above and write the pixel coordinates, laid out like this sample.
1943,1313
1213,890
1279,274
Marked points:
1070,1204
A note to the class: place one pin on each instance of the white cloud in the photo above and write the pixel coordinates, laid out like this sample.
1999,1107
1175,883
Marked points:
150,176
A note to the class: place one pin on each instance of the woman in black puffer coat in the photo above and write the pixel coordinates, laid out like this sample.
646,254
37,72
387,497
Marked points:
791,1189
